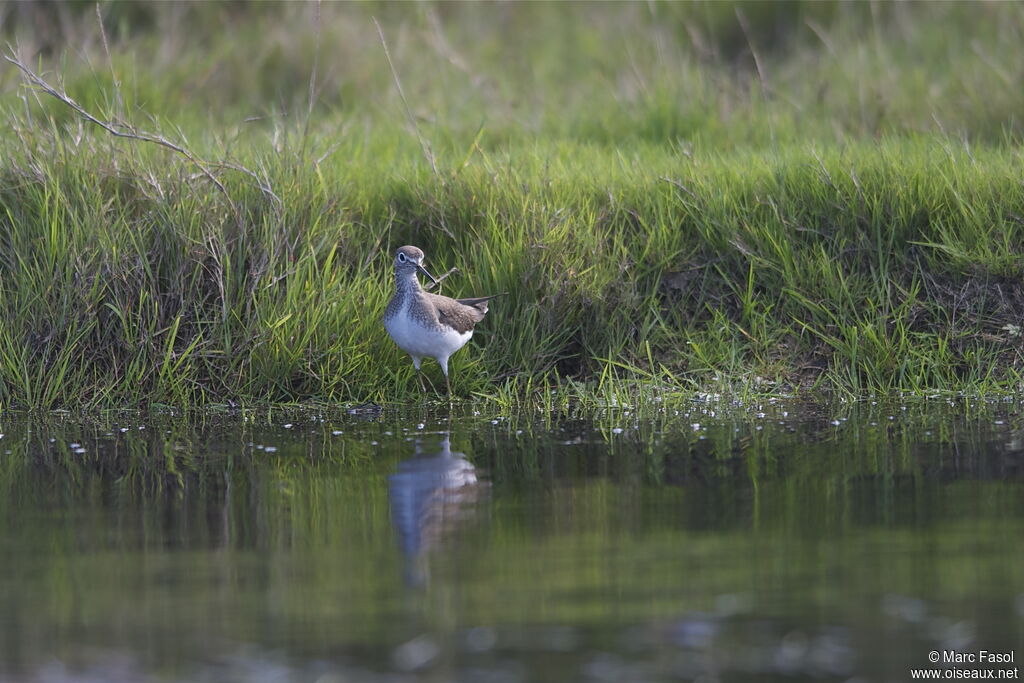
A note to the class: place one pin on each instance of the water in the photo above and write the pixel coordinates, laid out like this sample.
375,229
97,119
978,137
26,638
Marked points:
714,542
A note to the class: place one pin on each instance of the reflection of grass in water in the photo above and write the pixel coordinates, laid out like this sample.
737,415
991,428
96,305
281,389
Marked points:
675,196
814,525
333,583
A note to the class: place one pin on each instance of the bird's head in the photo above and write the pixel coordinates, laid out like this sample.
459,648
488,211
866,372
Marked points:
408,260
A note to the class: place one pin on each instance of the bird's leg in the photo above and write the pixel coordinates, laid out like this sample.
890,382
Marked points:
447,381
419,374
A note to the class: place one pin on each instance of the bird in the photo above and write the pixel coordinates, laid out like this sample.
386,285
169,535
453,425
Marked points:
427,325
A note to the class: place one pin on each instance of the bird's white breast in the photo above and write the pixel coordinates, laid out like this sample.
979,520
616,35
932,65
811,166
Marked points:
417,340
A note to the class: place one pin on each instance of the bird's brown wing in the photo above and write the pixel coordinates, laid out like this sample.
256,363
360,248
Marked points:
456,314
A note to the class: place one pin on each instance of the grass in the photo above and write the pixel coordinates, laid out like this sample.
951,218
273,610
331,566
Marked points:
676,198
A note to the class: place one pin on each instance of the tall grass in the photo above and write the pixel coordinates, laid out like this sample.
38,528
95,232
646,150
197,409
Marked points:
666,214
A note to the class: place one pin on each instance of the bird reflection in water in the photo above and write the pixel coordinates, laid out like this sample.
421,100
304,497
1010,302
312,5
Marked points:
432,496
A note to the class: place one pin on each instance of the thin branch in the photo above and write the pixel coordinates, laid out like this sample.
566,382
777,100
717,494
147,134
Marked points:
438,281
121,130
408,112
125,130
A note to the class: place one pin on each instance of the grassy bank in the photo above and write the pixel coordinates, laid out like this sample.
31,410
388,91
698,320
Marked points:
725,202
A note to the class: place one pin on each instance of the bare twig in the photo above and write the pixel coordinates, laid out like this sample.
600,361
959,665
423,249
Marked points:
408,112
121,130
438,281
124,130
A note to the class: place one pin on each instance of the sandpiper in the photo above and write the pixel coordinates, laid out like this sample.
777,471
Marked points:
426,325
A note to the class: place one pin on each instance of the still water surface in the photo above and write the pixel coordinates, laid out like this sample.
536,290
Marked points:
714,542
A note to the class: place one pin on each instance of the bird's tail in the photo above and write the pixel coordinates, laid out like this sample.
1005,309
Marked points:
480,302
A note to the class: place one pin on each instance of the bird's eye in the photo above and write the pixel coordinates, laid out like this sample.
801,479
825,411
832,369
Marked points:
401,257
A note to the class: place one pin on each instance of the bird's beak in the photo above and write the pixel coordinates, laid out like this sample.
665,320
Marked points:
423,270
